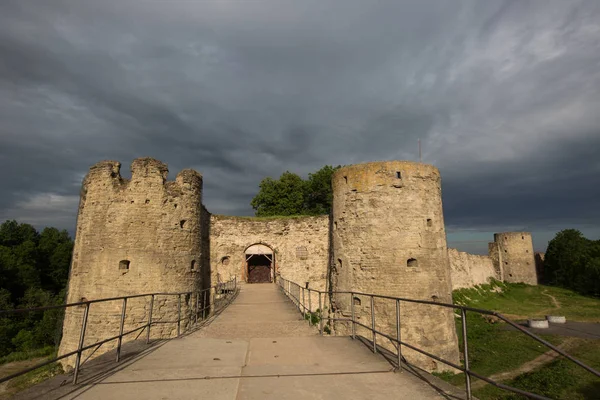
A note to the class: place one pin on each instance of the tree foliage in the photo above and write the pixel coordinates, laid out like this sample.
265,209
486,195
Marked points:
573,261
292,195
34,269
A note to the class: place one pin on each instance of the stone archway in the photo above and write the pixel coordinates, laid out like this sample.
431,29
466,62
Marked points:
260,265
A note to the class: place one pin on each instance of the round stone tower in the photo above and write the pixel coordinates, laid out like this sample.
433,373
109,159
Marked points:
389,238
516,257
133,237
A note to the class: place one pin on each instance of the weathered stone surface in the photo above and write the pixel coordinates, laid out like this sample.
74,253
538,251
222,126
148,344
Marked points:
389,238
470,270
515,257
133,236
386,236
300,246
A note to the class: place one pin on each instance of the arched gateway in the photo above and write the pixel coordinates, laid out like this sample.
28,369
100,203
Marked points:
259,264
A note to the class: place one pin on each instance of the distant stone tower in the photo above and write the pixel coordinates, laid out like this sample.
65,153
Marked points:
133,236
515,257
389,238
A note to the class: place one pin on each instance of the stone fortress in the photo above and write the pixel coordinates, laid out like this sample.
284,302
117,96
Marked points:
385,235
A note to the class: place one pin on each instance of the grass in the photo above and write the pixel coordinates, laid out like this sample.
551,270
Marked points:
560,379
27,355
33,378
493,349
525,301
315,319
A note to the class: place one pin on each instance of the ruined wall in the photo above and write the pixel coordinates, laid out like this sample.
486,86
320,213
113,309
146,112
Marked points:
132,237
389,238
469,270
494,253
515,257
539,265
300,245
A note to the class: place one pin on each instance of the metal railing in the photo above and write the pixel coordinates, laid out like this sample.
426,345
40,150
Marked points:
297,295
223,292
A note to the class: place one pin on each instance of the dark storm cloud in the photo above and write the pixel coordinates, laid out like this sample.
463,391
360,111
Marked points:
503,95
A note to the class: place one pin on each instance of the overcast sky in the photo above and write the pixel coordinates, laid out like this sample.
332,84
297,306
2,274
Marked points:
505,97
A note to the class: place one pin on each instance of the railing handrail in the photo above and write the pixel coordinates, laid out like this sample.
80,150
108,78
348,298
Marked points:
230,286
82,303
300,303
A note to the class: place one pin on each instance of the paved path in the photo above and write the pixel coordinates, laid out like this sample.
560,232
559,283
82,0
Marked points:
259,348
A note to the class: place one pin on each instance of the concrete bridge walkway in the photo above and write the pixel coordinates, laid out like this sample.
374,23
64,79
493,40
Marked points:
259,348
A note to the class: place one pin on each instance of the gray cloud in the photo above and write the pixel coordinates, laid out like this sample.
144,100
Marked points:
504,96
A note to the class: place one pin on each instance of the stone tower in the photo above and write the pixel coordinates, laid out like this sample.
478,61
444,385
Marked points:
389,238
133,236
515,257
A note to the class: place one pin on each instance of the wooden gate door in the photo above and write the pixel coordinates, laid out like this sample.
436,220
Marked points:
259,273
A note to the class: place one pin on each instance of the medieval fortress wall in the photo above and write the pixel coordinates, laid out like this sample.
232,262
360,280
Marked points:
510,259
300,247
386,235
389,238
469,270
133,236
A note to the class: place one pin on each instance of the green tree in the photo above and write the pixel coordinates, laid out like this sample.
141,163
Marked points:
12,233
33,273
291,195
7,327
284,196
56,248
319,192
573,261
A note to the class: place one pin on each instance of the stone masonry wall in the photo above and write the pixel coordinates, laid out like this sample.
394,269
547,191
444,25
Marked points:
469,270
389,239
386,236
231,236
132,237
515,257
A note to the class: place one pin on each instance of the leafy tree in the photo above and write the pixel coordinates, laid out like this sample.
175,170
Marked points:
56,247
319,195
291,195
34,269
280,197
573,261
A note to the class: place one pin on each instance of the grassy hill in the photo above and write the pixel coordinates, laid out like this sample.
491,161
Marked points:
512,357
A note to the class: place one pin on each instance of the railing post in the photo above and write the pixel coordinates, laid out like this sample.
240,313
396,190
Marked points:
178,315
373,324
197,307
120,340
303,307
213,295
398,337
204,305
149,319
81,340
353,327
320,315
309,308
463,314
